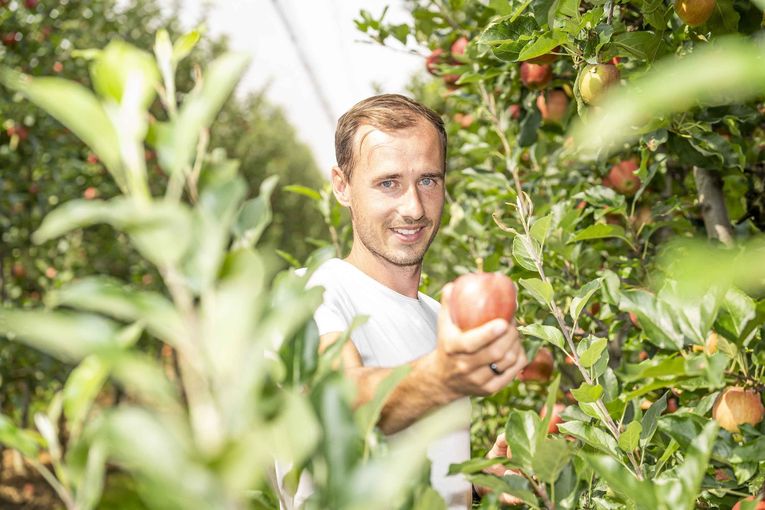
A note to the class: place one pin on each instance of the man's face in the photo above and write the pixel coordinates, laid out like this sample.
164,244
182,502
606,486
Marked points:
396,192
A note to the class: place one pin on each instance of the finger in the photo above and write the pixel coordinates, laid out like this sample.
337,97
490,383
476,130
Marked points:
473,340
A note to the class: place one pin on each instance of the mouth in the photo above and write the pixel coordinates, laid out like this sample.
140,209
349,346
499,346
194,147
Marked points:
409,234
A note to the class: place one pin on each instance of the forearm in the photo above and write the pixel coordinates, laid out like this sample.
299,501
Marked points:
418,393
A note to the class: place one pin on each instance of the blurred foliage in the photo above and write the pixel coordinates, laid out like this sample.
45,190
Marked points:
43,165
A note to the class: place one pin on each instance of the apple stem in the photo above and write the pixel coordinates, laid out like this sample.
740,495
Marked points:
524,214
479,264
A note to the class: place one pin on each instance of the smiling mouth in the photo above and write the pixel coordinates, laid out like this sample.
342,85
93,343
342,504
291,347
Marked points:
407,231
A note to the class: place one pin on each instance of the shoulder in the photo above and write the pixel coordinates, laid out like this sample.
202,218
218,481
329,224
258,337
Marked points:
328,273
429,302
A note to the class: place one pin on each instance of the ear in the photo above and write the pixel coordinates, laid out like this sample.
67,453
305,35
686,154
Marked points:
341,187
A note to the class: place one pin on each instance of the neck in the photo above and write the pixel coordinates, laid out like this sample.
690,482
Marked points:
403,279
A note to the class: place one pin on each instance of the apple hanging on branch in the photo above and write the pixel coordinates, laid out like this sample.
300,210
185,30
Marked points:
622,179
695,12
535,76
595,79
478,298
735,406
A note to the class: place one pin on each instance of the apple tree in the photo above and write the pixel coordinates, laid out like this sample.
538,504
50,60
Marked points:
608,156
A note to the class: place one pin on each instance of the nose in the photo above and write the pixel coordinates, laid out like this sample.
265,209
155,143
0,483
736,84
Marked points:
410,207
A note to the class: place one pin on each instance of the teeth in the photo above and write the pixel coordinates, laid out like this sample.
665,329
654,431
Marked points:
406,232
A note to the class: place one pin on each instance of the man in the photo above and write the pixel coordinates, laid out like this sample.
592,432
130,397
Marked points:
391,164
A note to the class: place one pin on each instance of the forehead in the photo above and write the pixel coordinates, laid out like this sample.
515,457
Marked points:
418,144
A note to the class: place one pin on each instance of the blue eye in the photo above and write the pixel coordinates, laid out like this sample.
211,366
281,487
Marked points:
386,184
428,181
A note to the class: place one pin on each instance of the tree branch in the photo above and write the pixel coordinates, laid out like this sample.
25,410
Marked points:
712,202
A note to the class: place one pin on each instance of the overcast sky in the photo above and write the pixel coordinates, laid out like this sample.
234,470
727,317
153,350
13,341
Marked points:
344,67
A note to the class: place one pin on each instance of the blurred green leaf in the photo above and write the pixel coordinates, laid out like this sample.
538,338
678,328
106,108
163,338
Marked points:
78,109
80,390
200,109
521,434
109,297
368,414
600,231
26,442
121,68
65,335
255,215
550,457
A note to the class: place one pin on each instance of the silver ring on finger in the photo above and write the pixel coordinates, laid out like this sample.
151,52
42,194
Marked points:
494,368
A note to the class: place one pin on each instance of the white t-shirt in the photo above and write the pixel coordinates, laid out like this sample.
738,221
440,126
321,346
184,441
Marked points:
399,329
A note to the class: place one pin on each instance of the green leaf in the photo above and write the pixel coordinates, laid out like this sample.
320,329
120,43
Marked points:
642,45
67,336
651,418
542,45
592,354
552,397
184,44
592,435
521,433
630,438
623,481
521,253
551,456
199,110
80,390
121,65
510,484
741,308
547,333
255,215
587,393
541,291
600,231
303,190
541,228
682,489
111,297
76,108
19,439
753,451
583,295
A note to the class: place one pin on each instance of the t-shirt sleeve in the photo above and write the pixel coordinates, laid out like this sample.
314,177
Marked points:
329,317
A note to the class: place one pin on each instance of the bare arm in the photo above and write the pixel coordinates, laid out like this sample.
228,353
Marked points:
458,367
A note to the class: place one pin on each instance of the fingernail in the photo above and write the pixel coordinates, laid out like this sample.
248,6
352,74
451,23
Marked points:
499,327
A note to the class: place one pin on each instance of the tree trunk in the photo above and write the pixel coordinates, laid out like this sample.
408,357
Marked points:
712,202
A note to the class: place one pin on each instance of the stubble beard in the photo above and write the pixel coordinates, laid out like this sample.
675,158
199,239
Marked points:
378,249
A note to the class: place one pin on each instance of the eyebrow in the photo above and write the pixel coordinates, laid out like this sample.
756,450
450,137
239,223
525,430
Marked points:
431,175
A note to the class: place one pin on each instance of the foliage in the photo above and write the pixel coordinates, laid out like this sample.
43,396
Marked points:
626,310
44,165
251,386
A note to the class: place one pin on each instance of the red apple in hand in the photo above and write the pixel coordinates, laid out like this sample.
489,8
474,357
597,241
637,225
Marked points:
737,405
540,369
478,298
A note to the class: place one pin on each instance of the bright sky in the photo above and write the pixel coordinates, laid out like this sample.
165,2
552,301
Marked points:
344,67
